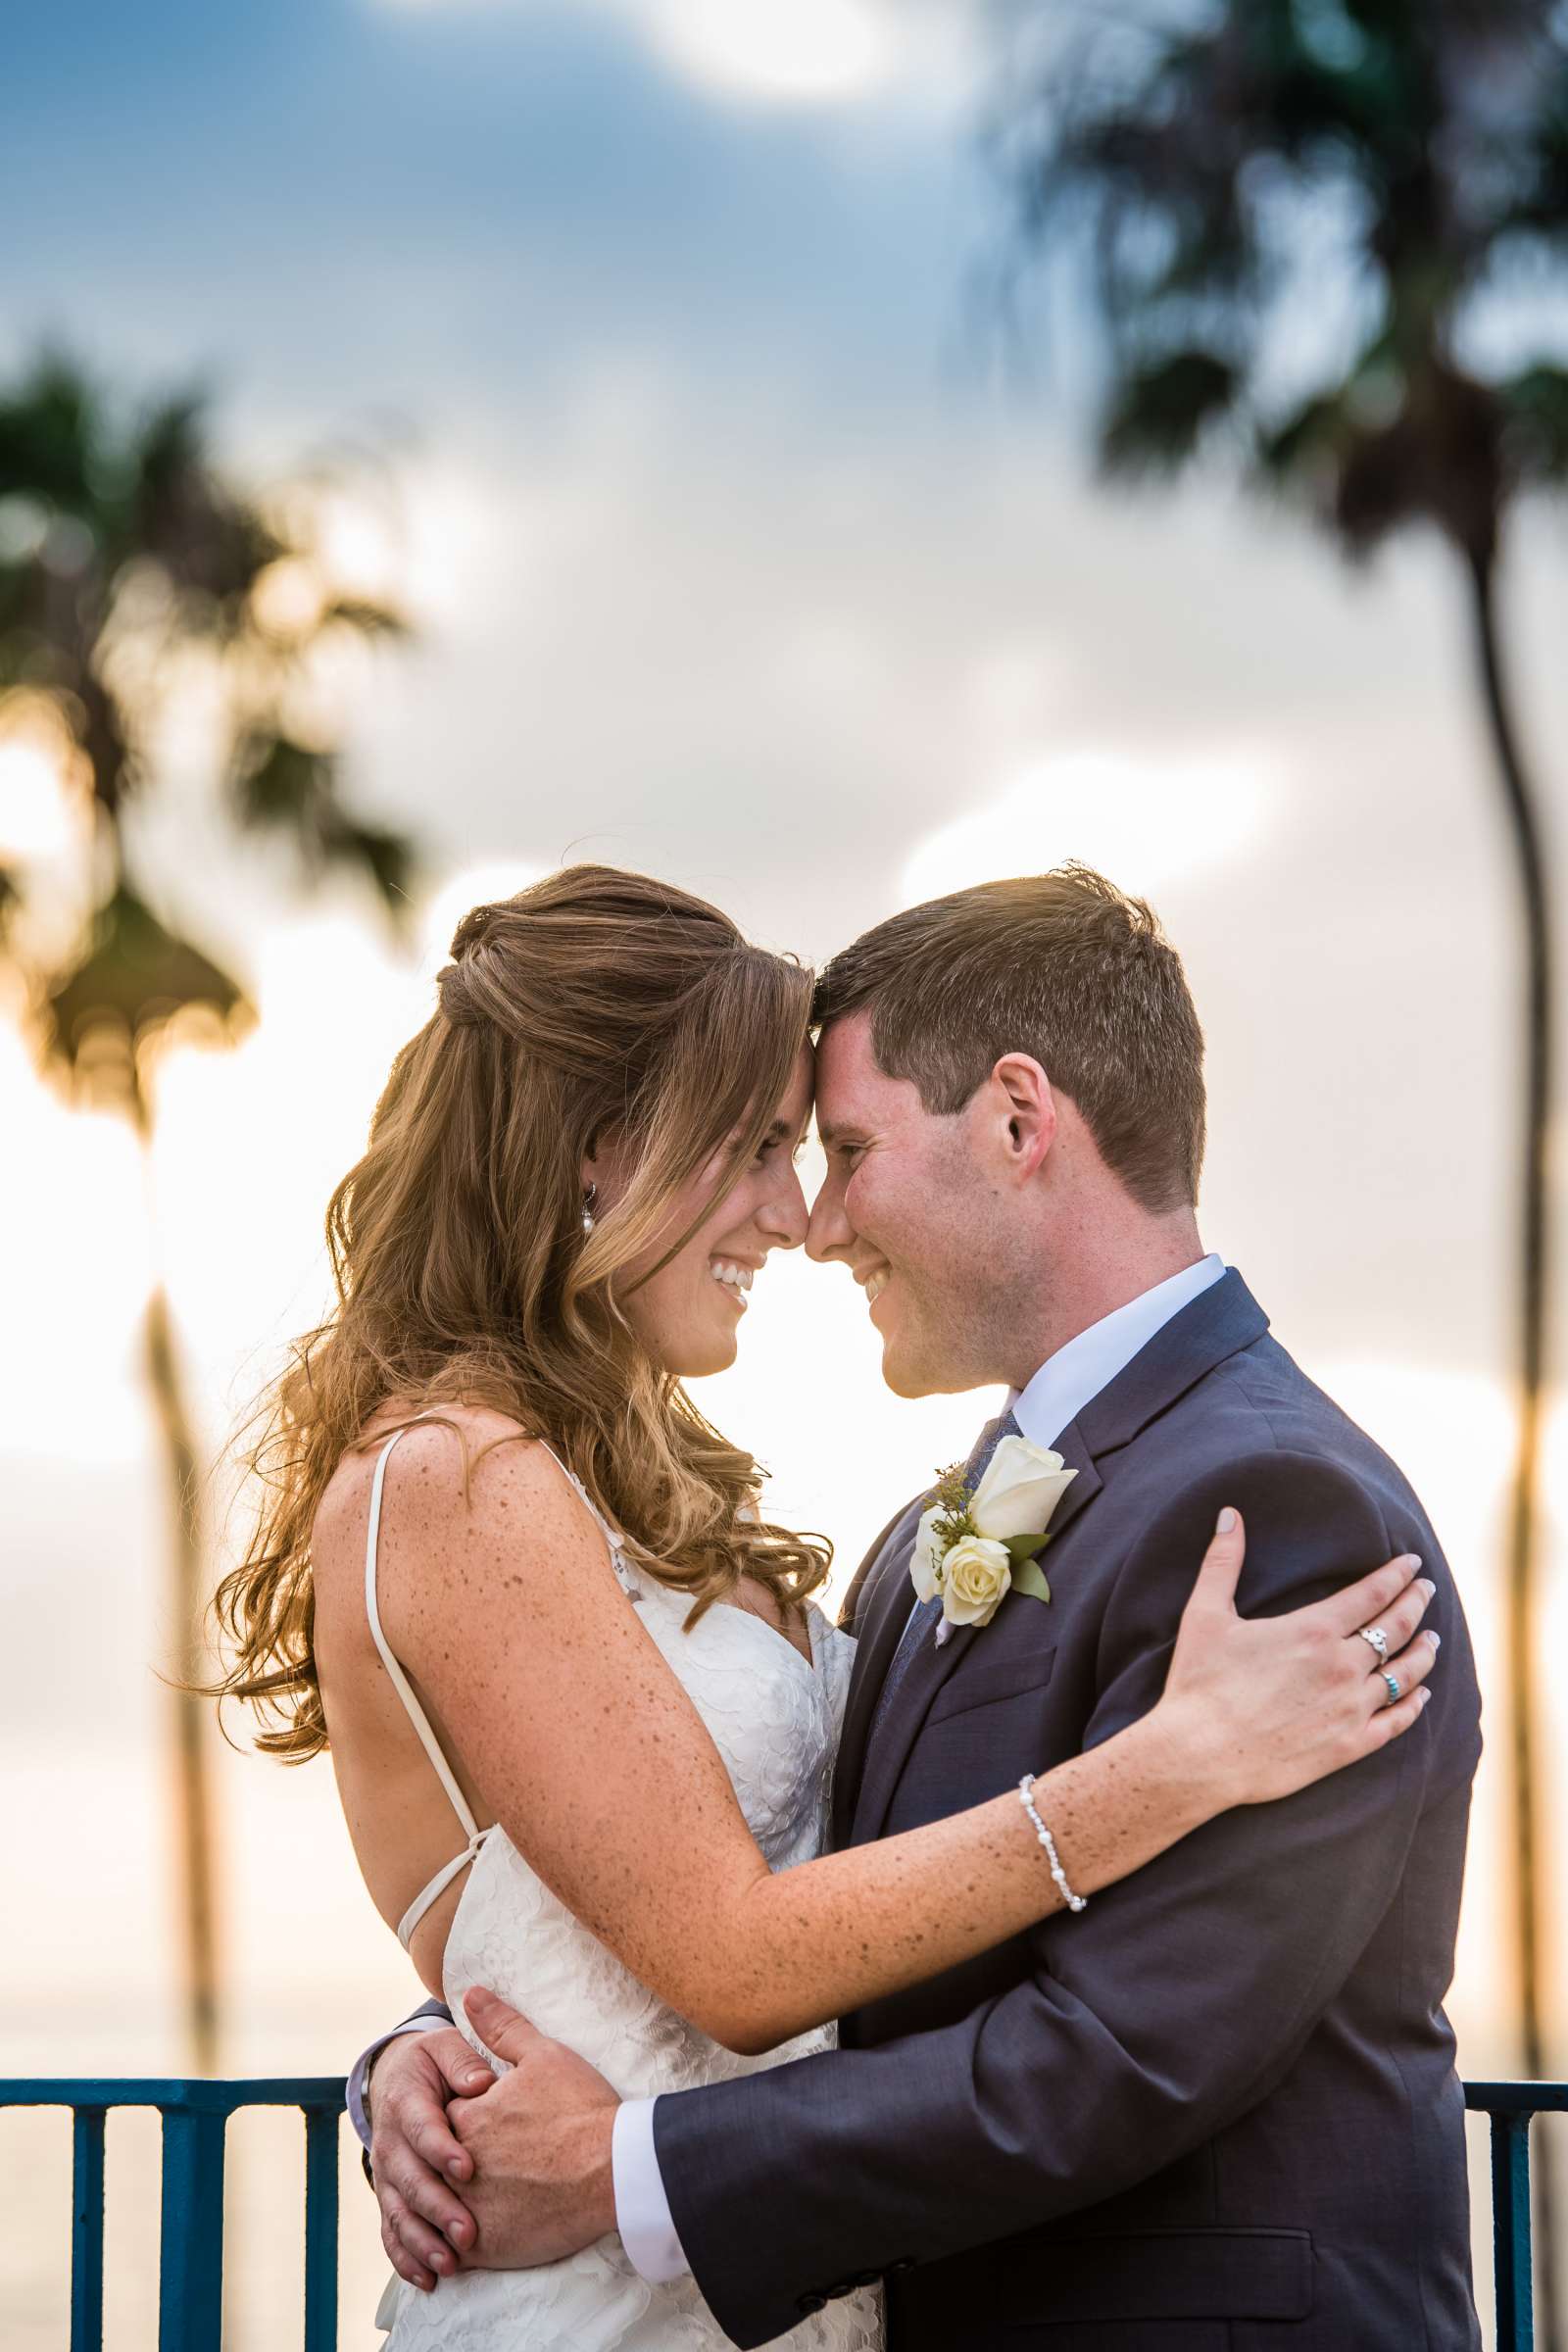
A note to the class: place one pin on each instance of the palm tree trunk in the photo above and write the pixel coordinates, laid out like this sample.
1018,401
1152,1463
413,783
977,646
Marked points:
1535,1266
192,1790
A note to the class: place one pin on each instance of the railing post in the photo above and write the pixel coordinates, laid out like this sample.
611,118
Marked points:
320,2229
190,2289
87,2229
1510,2232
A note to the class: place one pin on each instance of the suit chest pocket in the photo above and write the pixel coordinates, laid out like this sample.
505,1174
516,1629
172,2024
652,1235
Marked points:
983,1682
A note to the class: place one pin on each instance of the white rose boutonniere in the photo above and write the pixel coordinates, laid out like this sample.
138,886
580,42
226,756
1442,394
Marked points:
974,1549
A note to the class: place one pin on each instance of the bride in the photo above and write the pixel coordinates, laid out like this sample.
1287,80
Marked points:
581,1703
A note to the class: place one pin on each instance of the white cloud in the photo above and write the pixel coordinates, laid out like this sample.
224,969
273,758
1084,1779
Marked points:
1145,823
789,53
810,52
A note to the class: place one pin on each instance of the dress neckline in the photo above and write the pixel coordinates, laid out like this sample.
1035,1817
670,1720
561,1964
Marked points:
811,1665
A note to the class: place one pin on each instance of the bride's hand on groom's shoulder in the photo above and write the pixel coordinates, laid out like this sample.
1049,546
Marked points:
1266,1705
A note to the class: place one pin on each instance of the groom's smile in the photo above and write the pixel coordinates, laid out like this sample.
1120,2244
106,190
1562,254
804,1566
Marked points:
875,1283
896,1208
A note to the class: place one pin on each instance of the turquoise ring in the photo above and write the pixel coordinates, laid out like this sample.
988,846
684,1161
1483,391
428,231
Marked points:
1393,1681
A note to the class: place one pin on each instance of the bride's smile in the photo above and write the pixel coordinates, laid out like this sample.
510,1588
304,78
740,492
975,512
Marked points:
723,1225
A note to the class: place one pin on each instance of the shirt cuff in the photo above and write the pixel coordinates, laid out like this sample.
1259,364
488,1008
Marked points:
642,2209
428,2020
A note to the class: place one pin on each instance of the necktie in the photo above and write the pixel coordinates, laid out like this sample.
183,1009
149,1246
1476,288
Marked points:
925,1613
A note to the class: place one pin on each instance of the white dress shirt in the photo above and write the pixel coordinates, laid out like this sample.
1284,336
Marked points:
1063,1385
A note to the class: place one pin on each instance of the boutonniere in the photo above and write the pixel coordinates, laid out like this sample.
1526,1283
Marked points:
974,1549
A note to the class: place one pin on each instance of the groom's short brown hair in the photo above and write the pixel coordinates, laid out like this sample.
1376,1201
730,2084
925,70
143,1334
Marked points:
1064,967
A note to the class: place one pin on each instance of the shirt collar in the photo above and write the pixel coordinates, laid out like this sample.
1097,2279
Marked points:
1071,1378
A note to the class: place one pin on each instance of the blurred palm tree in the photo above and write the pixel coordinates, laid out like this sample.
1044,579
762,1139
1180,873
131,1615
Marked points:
139,588
1236,163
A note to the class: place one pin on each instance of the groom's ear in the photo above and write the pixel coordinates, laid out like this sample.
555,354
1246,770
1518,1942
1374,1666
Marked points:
1026,1110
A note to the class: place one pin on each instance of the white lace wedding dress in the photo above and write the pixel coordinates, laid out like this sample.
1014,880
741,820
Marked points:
776,1721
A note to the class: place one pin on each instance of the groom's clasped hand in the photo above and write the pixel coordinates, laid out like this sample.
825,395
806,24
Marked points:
532,2164
1091,1881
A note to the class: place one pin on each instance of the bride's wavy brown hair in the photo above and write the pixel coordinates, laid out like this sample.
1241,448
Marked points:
595,1004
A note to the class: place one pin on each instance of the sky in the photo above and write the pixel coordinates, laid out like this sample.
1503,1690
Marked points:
750,546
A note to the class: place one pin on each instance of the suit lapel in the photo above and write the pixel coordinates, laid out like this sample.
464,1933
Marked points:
850,1616
933,1663
1218,1323
880,1621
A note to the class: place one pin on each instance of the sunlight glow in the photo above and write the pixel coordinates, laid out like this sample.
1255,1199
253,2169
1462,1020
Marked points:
1144,824
35,819
776,51
773,52
287,598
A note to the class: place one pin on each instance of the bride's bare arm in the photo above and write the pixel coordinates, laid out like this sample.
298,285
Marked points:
587,1749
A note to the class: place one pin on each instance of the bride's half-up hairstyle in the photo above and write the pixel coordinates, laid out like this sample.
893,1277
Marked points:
597,1005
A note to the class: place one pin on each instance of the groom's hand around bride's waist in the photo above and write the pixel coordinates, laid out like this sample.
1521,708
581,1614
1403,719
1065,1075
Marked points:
527,2155
425,2226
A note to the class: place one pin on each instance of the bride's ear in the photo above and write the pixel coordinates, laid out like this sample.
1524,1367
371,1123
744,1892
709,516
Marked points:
603,1168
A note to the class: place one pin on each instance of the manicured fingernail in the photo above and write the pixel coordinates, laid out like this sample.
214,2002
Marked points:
475,2079
1226,1520
455,2169
1435,1640
1412,1559
1425,1585
1424,1694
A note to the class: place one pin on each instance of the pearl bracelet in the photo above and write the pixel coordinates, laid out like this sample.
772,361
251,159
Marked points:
1026,1797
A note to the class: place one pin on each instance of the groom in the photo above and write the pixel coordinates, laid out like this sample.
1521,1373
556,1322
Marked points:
1217,2110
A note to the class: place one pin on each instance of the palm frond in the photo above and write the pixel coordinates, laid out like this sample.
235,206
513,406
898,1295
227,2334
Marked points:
1157,414
211,544
1198,171
1534,428
1306,454
171,445
291,788
387,860
282,786
1308,441
133,975
51,429
128,548
367,617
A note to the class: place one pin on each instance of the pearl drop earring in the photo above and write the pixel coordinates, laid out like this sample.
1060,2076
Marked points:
589,1197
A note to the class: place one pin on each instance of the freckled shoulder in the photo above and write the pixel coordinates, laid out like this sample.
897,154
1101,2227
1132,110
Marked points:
451,1542
337,1533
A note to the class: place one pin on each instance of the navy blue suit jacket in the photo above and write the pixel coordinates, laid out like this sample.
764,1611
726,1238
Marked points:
1217,2110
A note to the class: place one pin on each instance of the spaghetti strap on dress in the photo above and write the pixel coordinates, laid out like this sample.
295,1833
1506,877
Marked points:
432,1746
474,1836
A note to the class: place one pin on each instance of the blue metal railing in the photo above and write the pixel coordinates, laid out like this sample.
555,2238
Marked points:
196,2113
1510,2106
